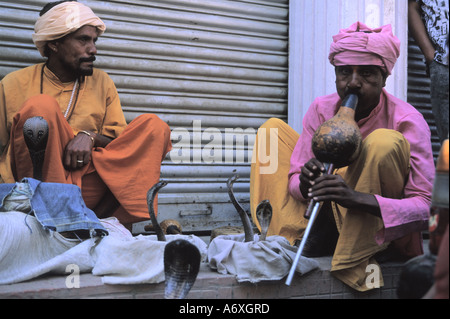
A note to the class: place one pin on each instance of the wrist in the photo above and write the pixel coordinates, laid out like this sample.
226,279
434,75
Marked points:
88,134
304,192
369,203
429,56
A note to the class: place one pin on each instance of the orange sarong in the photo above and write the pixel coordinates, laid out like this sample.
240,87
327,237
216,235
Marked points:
128,166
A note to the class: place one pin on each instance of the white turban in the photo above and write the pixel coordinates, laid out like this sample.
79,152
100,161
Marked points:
62,20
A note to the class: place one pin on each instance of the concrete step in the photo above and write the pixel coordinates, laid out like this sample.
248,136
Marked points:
210,285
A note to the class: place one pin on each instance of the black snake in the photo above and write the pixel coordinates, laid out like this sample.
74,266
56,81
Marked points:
181,258
35,133
263,213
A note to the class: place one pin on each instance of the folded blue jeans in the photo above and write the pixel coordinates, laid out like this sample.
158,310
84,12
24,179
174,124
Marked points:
57,207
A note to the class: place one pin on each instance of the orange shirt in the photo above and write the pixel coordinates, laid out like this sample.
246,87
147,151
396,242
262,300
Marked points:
97,109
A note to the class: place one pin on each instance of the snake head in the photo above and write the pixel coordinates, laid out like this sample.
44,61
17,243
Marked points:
231,181
35,131
181,265
264,210
264,216
154,190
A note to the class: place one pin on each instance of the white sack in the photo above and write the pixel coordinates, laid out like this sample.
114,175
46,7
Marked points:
257,260
119,257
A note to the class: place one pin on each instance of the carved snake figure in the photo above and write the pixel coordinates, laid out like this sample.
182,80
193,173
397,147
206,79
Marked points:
263,213
35,133
181,258
181,266
248,230
151,194
264,216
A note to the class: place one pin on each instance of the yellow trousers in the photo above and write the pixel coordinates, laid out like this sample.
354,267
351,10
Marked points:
381,168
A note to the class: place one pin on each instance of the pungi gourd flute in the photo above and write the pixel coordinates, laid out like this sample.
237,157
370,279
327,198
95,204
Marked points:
336,143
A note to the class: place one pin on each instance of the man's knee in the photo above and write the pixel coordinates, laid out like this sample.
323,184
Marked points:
154,125
273,123
387,145
41,105
272,127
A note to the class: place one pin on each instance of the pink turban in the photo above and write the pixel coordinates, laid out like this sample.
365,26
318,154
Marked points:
62,20
360,45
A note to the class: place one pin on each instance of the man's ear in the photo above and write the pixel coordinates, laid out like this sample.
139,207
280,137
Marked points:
384,80
53,46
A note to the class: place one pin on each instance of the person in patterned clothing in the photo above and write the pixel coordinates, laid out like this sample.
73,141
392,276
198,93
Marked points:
428,24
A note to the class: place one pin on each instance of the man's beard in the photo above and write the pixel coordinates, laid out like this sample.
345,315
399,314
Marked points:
78,71
87,71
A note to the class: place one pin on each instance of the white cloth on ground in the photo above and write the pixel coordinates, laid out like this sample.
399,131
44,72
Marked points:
120,258
256,261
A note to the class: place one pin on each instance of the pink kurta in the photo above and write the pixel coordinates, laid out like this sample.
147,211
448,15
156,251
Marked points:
400,216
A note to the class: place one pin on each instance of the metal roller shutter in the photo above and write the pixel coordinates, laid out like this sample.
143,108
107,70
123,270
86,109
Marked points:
214,70
419,91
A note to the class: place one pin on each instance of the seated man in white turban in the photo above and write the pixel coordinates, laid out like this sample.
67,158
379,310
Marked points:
380,202
89,142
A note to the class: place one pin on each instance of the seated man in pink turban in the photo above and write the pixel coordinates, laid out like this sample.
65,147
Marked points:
373,208
89,143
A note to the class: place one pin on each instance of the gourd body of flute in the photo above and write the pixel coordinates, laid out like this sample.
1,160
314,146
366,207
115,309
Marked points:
338,140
